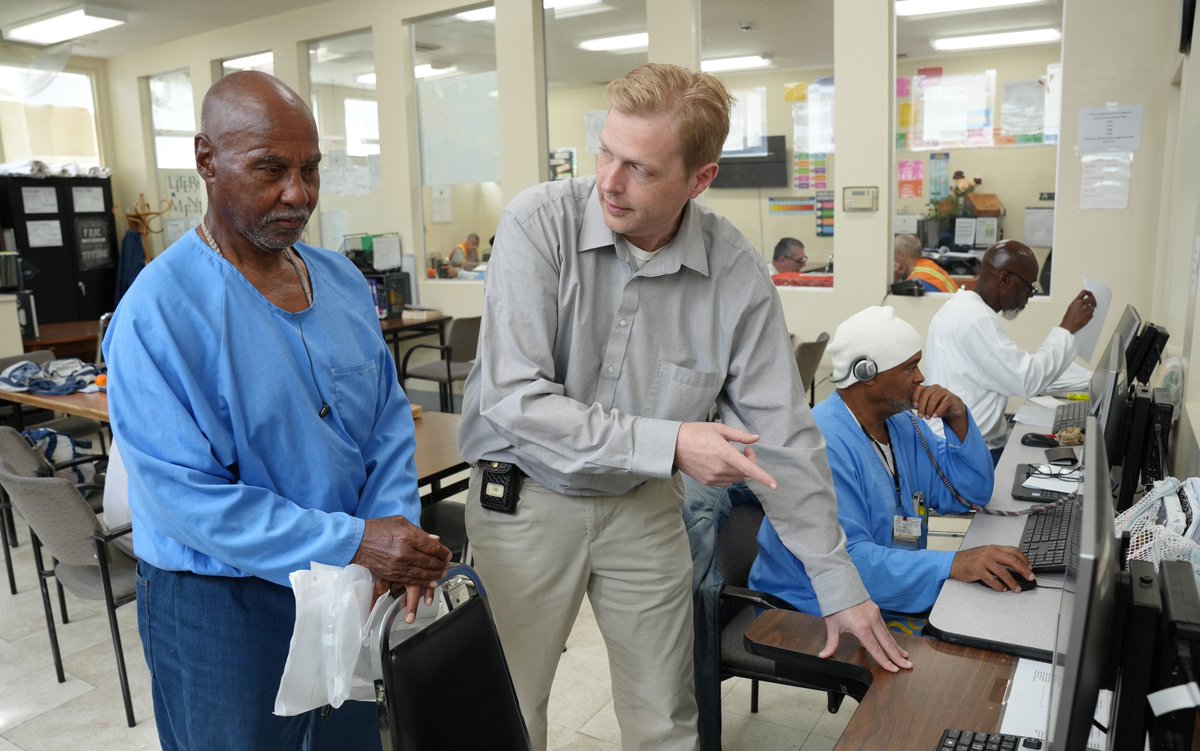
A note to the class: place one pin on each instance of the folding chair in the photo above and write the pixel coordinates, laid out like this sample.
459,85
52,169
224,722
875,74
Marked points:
448,685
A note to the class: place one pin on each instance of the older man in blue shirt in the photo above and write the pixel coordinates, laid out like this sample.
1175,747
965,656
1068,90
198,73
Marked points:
890,469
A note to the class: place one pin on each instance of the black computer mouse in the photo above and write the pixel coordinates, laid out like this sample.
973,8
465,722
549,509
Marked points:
1041,440
1022,582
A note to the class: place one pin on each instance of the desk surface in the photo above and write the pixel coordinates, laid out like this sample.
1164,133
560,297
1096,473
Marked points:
1022,623
950,686
93,406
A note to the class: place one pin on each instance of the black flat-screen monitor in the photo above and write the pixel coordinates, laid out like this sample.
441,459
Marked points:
1083,645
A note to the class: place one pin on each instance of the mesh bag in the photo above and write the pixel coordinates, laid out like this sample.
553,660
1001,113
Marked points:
1162,526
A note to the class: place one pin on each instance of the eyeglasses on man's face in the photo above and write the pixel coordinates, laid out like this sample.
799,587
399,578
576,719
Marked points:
1033,287
798,259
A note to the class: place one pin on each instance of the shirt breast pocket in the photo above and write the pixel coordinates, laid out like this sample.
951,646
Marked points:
680,393
355,396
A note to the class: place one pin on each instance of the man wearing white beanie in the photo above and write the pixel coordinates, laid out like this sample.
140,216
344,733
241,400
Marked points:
886,465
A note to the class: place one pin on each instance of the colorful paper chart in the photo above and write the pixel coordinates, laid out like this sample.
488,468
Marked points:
791,205
824,213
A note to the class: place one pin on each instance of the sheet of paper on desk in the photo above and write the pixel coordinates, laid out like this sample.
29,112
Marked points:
1038,410
1053,478
1027,707
1088,337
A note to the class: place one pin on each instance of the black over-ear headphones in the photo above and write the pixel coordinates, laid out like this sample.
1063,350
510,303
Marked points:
864,369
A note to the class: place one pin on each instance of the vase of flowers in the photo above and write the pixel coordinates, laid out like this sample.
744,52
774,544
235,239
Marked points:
954,204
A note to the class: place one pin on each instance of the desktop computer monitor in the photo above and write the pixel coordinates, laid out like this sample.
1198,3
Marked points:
1084,642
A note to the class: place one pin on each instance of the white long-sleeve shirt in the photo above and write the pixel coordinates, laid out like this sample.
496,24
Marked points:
969,352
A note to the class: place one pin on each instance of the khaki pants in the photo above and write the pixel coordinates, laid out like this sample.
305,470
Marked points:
630,555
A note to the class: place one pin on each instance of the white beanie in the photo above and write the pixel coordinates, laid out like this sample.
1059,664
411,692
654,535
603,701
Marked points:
875,333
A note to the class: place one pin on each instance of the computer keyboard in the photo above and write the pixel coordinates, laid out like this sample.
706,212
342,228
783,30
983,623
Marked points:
1046,541
1071,414
966,740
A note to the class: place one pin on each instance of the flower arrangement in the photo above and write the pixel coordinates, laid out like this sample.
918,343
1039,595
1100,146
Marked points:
952,204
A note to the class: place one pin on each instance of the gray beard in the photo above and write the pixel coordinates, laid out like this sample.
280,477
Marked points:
262,236
1010,315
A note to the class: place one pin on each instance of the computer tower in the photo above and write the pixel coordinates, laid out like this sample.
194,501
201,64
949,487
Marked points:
1158,448
1138,436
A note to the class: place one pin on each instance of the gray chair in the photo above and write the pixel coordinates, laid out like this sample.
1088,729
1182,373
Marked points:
100,331
455,363
85,563
808,359
26,461
737,547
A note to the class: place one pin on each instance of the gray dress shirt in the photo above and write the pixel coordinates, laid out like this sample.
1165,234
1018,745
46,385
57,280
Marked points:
587,366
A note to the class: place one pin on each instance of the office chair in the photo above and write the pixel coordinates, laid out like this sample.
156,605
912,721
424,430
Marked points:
455,363
808,359
447,685
103,327
26,461
737,547
84,562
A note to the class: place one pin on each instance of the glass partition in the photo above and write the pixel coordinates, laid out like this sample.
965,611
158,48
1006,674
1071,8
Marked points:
47,115
976,143
576,76
776,177
341,74
458,110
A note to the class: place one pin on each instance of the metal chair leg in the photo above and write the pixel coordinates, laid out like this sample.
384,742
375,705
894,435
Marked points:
4,542
111,607
43,575
754,696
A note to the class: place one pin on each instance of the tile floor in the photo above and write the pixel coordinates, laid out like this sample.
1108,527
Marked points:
39,714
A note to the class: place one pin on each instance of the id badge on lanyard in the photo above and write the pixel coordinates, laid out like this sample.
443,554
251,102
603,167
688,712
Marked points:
908,531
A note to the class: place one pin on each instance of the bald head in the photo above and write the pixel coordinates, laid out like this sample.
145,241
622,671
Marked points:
1007,279
259,155
248,99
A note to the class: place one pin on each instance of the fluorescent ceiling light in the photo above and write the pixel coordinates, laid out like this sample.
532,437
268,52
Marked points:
428,71
489,13
734,63
936,7
620,43
366,79
249,62
70,24
1004,39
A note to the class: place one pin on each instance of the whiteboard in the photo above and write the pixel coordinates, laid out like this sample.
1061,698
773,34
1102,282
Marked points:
1039,226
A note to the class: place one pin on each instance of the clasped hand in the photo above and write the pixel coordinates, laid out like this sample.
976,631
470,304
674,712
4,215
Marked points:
402,556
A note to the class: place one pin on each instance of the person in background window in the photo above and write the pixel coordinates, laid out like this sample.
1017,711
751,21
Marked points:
789,257
466,254
907,263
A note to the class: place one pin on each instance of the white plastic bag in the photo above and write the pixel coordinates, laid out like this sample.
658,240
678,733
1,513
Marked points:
332,608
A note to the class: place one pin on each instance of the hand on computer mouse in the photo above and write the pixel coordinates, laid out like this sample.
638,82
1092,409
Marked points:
1040,440
1000,567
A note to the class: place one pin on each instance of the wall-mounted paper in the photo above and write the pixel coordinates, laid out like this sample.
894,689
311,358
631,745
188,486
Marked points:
1110,129
443,204
88,200
1104,180
44,234
40,200
904,223
1039,226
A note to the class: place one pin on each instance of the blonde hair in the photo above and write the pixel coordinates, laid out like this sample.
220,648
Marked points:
699,102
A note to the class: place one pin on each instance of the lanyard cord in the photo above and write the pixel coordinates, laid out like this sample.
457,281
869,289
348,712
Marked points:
889,461
1036,509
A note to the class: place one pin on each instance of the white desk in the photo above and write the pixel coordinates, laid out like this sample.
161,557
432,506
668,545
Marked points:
1022,623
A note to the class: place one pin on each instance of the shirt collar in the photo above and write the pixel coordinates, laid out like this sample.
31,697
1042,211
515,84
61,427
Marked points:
685,249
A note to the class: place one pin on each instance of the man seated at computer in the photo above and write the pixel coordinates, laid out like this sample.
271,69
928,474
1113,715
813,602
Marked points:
890,469
789,258
466,253
970,353
907,263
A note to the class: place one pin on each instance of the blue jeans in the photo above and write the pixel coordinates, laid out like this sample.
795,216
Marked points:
216,647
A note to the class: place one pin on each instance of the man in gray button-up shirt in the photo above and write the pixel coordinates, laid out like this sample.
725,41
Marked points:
618,312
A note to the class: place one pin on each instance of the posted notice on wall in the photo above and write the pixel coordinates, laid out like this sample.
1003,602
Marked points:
1104,180
1112,128
39,200
87,200
44,233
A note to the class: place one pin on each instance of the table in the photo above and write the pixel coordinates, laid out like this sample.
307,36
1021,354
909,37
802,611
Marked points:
436,437
396,330
950,686
1023,623
70,339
